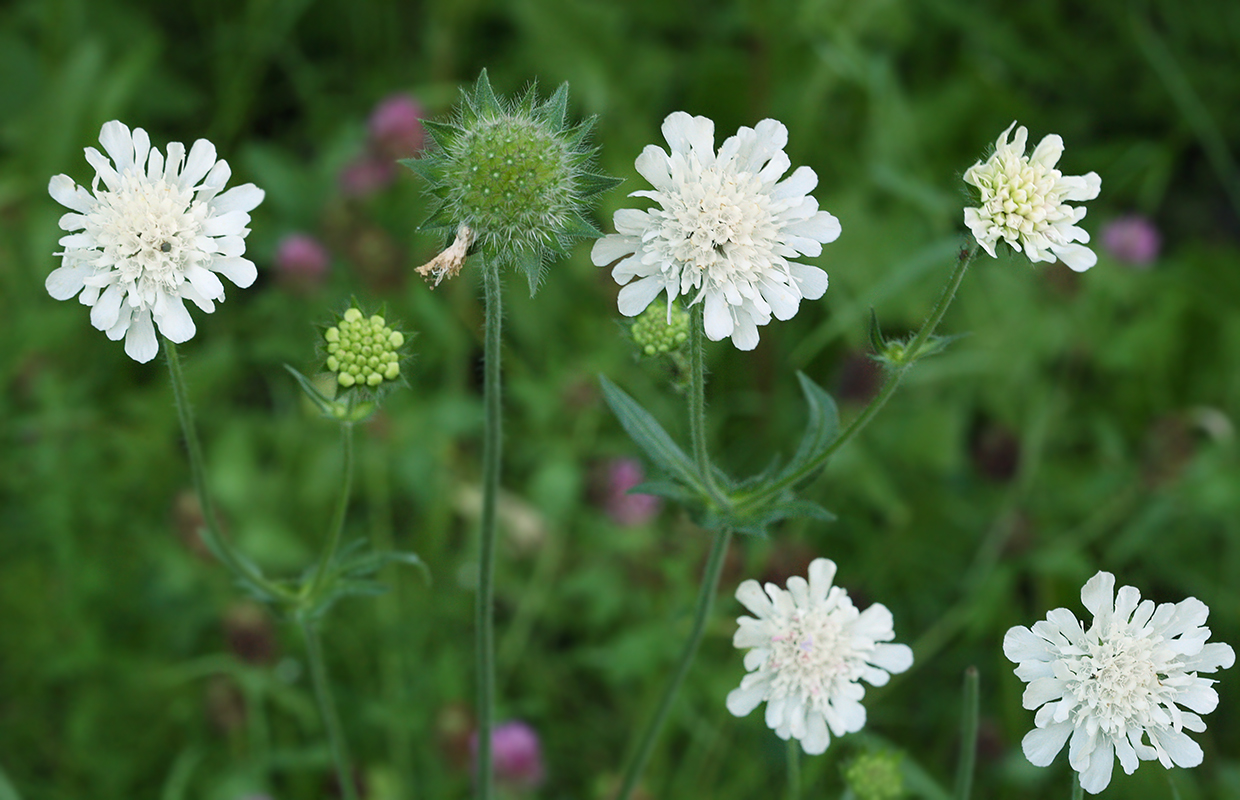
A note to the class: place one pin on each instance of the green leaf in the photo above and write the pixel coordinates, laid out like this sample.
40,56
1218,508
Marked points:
876,334
530,263
441,132
484,98
578,227
324,404
668,489
425,168
824,423
649,435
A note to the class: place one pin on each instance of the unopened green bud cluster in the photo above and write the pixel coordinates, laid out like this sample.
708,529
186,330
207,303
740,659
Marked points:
658,332
875,776
363,351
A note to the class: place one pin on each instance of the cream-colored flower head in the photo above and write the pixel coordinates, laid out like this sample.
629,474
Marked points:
160,233
725,229
809,650
1024,201
1132,675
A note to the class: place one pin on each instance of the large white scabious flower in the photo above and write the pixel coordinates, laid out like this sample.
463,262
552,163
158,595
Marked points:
1025,202
809,649
157,235
1120,681
725,229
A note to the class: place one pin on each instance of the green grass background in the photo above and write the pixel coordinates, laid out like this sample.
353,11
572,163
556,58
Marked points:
1087,423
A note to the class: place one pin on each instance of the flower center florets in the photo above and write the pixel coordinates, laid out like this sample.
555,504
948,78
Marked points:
810,655
1116,682
718,224
147,231
1020,196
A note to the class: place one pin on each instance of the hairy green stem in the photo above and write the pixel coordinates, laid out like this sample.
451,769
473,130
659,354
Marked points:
706,598
240,567
1078,790
327,708
336,531
794,769
894,375
968,736
491,458
697,396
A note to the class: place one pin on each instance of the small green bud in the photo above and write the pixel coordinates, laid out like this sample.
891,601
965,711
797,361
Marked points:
875,775
658,330
363,351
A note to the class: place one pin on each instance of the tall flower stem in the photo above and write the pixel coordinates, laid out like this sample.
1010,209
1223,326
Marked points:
1078,790
241,567
710,577
492,451
968,736
705,601
895,374
336,531
794,769
327,707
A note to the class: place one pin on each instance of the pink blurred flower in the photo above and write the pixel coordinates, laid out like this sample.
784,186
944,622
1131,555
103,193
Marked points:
301,259
396,127
1132,239
516,754
366,174
623,508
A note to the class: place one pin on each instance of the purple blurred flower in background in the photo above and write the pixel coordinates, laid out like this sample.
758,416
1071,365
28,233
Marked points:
366,174
301,260
517,755
623,474
396,127
1132,239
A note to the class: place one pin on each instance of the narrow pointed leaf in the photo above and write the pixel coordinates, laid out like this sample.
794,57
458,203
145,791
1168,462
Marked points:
824,422
590,183
484,95
422,167
649,435
556,107
321,402
876,334
530,264
441,132
578,227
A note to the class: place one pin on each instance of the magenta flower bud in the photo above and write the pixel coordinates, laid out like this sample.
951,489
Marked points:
366,174
396,127
624,508
516,754
302,259
1132,239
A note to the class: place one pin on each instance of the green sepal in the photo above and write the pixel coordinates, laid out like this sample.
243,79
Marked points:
876,334
324,404
578,227
591,183
484,98
441,132
580,132
756,524
530,263
348,407
351,574
937,344
667,489
425,168
823,426
648,434
556,108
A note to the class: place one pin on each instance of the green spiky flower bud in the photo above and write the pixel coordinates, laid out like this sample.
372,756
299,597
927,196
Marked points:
875,776
511,180
659,330
363,351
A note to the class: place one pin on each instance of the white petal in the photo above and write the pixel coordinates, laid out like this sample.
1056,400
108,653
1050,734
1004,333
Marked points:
1077,256
116,139
1097,776
64,282
1184,752
811,280
107,309
1019,644
173,318
753,598
103,168
608,248
64,191
240,271
201,160
800,183
653,165
783,299
717,318
205,283
894,658
742,701
822,227
745,333
1048,151
634,297
816,736
1041,745
230,224
821,576
245,197
140,342
685,133
1079,187
1098,594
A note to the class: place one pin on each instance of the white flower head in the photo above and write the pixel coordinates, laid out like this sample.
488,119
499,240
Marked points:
153,238
1117,683
724,229
809,648
1025,202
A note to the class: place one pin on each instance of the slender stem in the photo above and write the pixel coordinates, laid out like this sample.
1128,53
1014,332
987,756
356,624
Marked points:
241,568
697,395
336,531
491,457
1078,790
968,736
705,601
794,769
894,375
327,708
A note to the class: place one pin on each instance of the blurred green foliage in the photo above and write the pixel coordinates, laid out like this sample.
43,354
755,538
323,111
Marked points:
1087,423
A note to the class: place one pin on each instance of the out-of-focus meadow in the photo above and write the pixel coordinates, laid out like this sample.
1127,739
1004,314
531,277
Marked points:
1087,423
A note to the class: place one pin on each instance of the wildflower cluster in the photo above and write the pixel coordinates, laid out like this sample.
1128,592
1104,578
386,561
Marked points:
363,351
